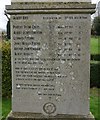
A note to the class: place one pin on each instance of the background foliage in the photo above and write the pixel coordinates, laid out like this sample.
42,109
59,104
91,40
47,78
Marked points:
6,69
96,26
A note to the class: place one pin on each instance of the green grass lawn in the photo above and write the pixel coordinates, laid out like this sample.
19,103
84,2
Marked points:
95,45
6,107
94,102
0,108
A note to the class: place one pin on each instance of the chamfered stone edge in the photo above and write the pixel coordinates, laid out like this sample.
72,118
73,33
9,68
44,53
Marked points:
35,116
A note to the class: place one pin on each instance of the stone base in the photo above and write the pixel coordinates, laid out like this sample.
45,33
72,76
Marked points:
31,116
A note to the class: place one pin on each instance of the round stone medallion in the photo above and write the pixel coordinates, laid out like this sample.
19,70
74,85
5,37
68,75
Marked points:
49,108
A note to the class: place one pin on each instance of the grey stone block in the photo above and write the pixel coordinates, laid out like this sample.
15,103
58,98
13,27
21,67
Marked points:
31,116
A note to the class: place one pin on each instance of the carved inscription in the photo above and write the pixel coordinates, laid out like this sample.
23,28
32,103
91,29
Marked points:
46,50
39,53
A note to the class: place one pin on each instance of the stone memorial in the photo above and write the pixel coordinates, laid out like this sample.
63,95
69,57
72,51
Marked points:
50,59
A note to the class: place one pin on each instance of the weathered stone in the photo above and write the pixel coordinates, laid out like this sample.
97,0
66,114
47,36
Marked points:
32,116
51,63
59,7
51,60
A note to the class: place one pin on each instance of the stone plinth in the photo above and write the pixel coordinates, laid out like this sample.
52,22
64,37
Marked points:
31,116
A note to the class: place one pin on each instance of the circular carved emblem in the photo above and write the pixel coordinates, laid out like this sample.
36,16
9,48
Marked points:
49,108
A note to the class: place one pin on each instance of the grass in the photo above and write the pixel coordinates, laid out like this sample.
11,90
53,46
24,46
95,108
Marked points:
94,103
6,107
95,45
0,108
94,62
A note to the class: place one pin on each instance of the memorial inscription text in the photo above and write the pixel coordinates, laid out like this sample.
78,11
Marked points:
45,50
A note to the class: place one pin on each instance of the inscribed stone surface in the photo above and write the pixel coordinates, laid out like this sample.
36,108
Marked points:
50,58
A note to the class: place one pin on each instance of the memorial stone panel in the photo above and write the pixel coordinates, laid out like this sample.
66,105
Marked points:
50,58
